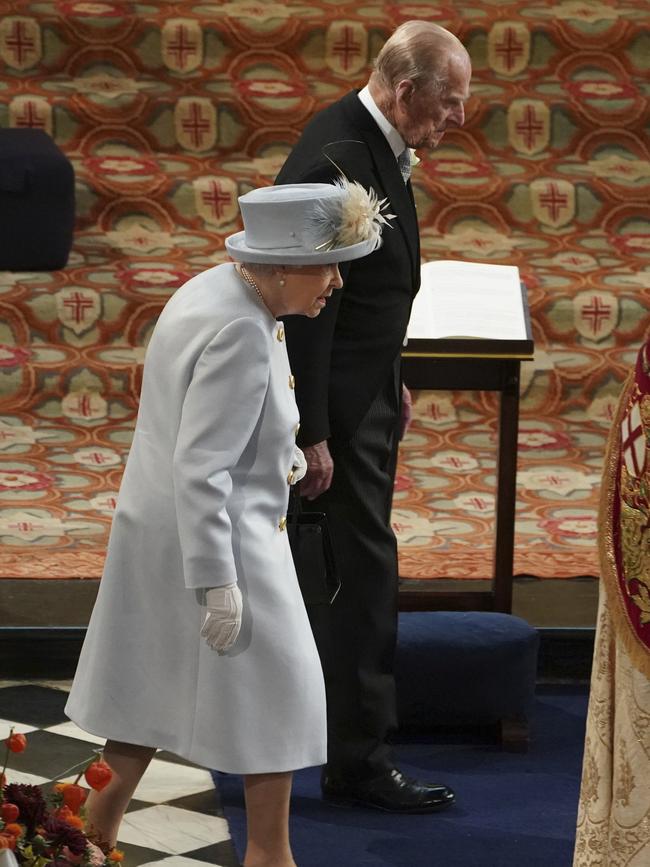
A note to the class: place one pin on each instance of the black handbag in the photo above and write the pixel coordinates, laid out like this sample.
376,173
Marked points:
313,553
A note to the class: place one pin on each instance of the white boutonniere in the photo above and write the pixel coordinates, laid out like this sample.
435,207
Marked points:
415,159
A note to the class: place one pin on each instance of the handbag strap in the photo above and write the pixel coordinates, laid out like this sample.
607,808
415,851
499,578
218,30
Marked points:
294,508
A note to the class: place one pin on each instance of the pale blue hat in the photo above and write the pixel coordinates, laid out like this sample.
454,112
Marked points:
308,224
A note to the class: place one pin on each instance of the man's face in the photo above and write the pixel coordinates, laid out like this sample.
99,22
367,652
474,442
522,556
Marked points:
423,115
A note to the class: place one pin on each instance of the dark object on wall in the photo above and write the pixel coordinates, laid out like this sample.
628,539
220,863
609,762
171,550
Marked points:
36,202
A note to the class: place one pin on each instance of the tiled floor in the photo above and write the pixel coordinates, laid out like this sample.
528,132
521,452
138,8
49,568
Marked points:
174,819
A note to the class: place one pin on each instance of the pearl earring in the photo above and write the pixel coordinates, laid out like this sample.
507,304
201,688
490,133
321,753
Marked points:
282,281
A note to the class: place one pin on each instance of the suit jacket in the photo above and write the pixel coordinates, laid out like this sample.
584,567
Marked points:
341,358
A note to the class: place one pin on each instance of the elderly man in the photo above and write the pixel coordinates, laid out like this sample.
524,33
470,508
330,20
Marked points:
353,405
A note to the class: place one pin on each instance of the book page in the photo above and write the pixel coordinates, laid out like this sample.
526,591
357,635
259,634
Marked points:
468,299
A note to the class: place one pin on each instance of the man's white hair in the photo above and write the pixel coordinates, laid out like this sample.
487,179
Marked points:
418,51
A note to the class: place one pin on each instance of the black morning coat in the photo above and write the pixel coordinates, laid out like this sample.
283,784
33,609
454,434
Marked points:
342,357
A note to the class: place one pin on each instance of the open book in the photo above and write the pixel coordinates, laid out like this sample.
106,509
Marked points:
469,301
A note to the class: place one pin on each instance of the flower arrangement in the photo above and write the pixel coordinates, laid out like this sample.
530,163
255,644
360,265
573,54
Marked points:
40,831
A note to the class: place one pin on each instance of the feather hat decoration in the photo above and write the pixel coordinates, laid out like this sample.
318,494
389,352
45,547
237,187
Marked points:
357,216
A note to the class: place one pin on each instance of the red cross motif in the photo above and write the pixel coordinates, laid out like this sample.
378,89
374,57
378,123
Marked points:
78,306
435,412
19,42
509,49
553,480
633,442
554,200
84,407
597,312
31,118
451,461
215,198
529,127
478,502
26,526
97,458
347,48
7,435
195,124
182,47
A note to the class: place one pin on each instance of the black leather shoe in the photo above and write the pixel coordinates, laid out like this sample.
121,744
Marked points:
392,792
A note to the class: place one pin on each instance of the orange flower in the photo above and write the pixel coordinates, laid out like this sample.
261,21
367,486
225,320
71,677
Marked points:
116,855
59,787
74,796
75,821
16,742
7,841
98,775
9,812
13,828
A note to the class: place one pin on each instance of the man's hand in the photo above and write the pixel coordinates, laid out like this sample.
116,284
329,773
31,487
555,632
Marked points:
223,617
320,469
407,411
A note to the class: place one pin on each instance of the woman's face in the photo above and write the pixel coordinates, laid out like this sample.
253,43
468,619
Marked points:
307,288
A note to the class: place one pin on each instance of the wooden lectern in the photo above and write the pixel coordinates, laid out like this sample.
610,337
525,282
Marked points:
483,364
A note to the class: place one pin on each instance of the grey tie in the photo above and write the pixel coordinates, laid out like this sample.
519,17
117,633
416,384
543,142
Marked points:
404,163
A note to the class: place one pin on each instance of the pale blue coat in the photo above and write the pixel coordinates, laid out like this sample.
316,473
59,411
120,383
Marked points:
201,504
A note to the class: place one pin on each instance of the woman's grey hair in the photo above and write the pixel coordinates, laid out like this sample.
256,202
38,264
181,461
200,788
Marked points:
417,51
258,268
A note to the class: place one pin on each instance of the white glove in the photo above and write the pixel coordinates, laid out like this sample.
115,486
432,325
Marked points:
299,465
223,618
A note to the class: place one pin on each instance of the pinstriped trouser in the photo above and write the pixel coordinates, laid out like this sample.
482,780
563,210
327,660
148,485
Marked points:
356,635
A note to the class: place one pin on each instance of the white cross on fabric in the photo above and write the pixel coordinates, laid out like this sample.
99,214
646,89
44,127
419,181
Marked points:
404,163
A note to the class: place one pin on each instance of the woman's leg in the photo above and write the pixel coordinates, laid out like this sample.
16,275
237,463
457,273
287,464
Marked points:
267,816
105,809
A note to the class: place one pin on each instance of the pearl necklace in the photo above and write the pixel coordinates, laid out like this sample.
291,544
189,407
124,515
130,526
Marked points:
247,277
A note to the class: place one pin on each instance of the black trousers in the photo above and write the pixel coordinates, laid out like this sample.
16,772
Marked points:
356,635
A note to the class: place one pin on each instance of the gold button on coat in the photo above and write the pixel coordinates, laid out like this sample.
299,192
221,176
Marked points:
292,381
280,334
283,522
290,477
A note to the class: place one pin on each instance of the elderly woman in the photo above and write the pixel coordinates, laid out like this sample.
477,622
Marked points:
199,642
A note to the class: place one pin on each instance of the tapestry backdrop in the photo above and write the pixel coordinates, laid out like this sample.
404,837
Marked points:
170,110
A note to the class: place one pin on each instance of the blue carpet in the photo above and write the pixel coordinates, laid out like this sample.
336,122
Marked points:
513,810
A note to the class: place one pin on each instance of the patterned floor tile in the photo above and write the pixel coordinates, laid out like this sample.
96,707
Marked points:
6,725
53,756
35,705
176,861
172,830
188,831
166,780
72,730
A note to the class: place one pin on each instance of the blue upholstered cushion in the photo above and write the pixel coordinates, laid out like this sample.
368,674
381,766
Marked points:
457,667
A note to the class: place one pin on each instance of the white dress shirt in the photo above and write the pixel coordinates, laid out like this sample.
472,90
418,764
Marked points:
394,139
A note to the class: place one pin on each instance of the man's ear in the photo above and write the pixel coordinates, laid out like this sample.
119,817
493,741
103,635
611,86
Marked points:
404,91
